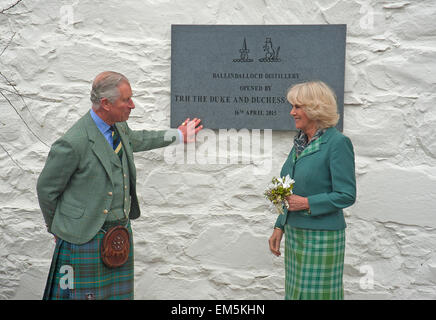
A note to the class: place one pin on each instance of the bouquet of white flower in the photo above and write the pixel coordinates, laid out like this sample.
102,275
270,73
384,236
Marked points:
278,190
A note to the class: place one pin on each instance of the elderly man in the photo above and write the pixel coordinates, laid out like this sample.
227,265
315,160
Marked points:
87,194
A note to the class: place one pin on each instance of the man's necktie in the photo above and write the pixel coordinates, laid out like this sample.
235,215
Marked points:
117,145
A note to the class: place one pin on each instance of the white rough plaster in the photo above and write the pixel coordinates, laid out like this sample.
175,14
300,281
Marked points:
204,229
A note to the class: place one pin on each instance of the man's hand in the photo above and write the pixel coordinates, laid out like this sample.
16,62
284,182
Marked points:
189,129
274,241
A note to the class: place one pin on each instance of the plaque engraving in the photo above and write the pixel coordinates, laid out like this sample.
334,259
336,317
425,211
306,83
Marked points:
271,55
244,54
238,76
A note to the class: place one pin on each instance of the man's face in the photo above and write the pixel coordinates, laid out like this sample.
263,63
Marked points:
120,109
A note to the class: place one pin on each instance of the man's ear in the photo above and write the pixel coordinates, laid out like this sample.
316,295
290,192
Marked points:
105,104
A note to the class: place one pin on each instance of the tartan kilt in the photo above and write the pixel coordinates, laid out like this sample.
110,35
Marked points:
314,264
78,273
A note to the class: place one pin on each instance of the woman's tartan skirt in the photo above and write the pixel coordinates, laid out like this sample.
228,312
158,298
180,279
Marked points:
314,262
78,273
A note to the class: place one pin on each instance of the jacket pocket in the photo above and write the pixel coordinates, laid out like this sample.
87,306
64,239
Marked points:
70,210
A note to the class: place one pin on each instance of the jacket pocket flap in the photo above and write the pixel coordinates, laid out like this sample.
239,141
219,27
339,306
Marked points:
70,210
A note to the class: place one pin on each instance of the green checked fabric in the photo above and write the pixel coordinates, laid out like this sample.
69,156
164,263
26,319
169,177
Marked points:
92,279
303,147
314,264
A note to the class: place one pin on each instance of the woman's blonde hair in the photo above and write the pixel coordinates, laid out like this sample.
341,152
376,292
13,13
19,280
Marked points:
317,100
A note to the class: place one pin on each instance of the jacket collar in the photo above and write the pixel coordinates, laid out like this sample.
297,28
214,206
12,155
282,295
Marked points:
328,134
316,145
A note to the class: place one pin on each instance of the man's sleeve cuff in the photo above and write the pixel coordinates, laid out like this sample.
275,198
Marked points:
180,137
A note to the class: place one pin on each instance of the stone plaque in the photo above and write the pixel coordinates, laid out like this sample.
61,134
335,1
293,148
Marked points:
234,76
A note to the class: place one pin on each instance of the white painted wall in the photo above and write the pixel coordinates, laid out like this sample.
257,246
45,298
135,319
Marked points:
204,229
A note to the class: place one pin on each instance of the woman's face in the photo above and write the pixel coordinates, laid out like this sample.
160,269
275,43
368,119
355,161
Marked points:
301,119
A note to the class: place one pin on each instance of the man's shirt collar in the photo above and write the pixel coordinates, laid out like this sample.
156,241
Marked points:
101,125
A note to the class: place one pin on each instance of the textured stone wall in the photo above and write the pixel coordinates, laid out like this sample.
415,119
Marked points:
204,229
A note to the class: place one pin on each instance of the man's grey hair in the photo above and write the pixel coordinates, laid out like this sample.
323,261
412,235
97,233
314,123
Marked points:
105,85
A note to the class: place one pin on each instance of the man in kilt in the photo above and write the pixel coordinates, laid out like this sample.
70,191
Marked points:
87,194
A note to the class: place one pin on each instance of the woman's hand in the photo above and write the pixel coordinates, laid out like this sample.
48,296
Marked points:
297,203
274,241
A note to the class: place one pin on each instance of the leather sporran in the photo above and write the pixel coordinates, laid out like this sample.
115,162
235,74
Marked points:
115,247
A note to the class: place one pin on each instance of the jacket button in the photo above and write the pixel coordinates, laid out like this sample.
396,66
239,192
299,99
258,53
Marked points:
105,211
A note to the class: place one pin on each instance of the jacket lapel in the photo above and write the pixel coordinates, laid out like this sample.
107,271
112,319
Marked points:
127,149
98,145
316,145
312,148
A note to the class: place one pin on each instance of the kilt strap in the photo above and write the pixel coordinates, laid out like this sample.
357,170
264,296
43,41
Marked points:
111,224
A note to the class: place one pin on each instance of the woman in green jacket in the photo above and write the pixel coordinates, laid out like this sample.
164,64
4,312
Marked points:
322,164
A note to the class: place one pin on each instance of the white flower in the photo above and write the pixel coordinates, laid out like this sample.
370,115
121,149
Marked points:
287,181
278,190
